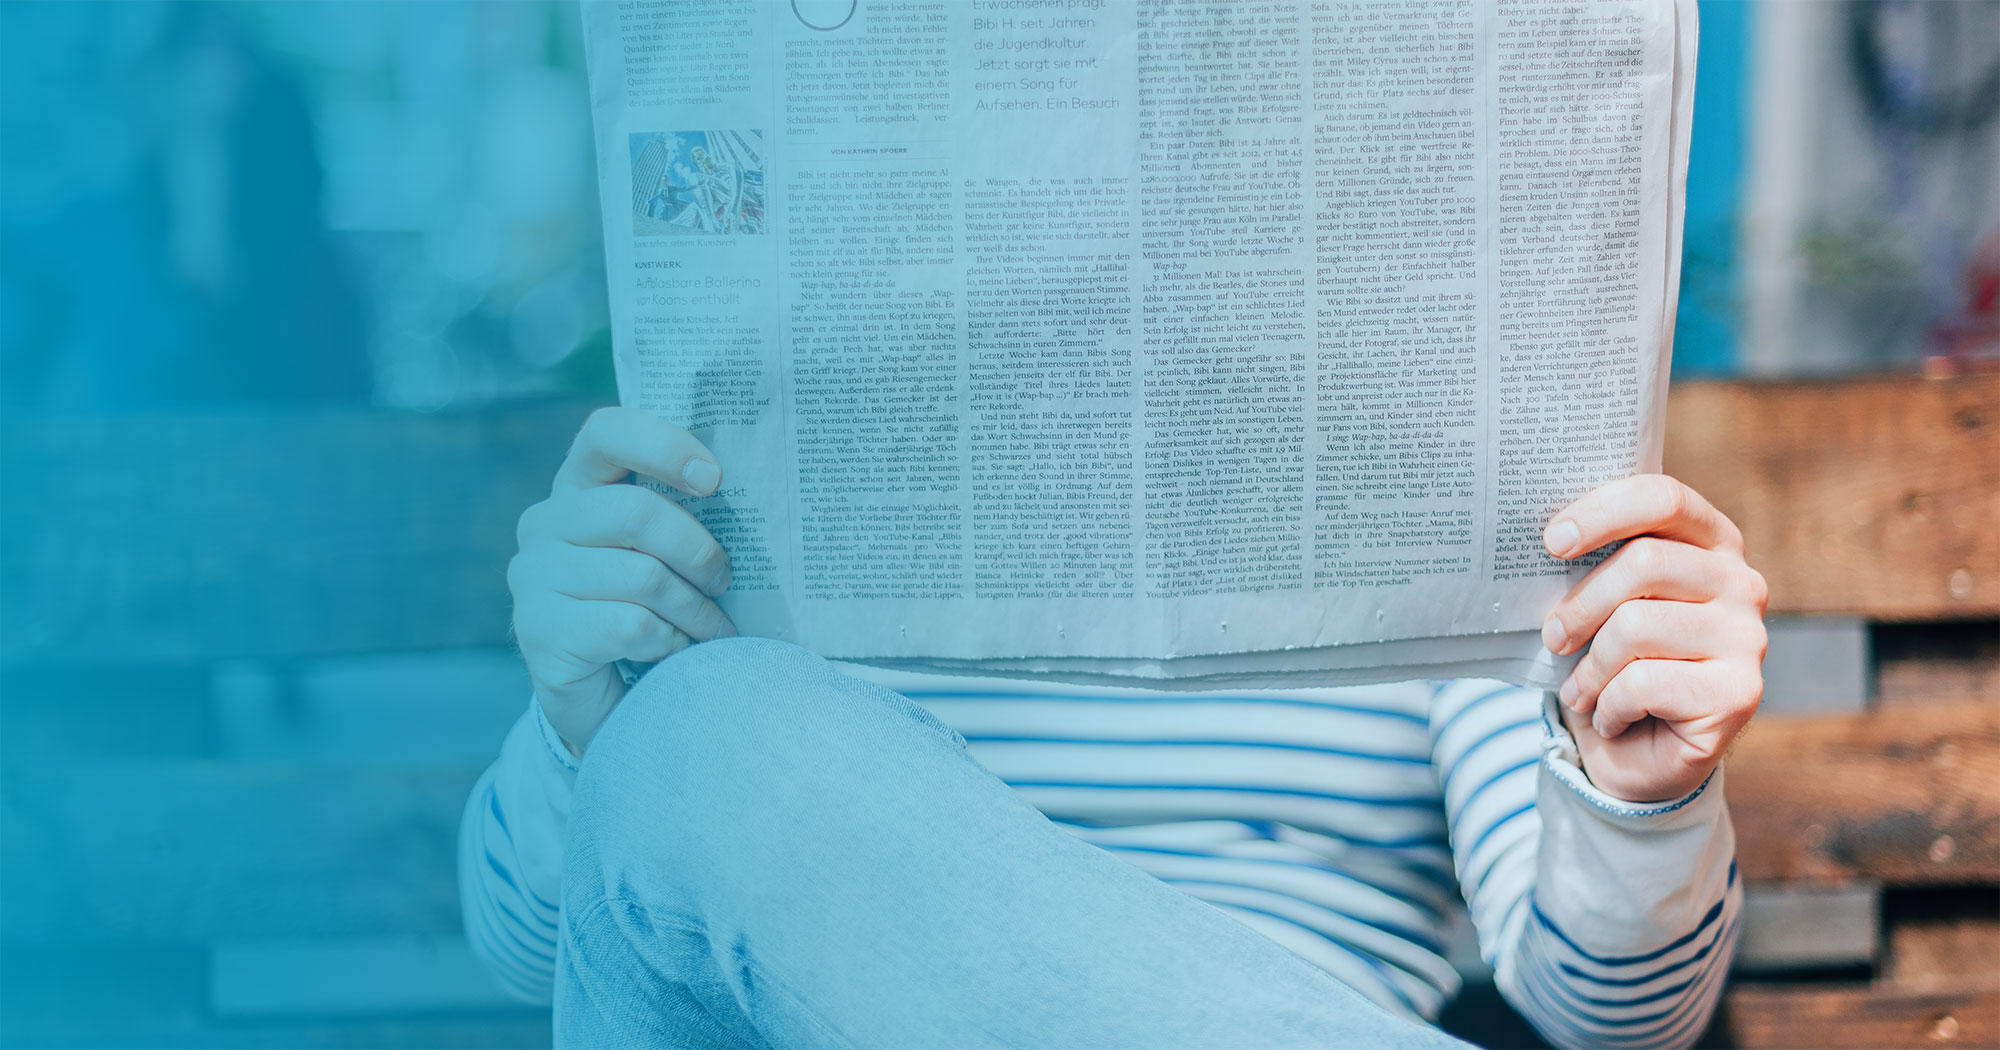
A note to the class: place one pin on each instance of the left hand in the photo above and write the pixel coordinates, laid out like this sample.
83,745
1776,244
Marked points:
1675,624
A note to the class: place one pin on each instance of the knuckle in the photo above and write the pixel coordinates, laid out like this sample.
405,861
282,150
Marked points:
1618,631
1612,690
683,535
1759,589
1676,497
630,509
681,606
1590,677
715,560
1619,694
1732,534
531,523
652,578
631,628
1591,516
1736,698
696,550
1643,678
1753,696
1657,684
1649,559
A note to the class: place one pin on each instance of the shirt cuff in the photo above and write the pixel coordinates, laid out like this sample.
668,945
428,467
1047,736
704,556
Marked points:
552,743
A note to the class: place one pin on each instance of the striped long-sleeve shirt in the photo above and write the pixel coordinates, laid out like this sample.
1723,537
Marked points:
1345,824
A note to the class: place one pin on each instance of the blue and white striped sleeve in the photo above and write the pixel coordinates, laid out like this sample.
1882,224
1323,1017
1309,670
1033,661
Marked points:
510,845
1607,924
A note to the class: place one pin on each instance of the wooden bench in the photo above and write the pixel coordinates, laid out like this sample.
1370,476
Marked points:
206,840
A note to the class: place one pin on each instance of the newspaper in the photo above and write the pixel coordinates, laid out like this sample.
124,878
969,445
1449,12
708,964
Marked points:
1197,344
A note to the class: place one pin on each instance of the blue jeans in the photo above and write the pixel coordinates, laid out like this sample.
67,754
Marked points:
766,852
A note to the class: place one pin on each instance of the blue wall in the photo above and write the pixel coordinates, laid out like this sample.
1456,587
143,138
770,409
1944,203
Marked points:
1705,335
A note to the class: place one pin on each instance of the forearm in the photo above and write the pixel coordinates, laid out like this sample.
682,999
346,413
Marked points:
1629,930
510,857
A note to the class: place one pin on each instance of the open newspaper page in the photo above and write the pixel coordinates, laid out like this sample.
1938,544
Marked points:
1198,343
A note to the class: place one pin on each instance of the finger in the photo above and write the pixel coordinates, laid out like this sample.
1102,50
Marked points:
1640,629
1647,567
618,574
1636,506
596,633
1690,696
615,442
635,518
1648,762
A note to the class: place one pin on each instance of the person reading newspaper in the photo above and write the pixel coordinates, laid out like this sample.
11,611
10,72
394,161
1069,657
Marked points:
1216,360
754,846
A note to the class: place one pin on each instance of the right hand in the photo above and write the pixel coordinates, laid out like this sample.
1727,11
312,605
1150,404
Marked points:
611,571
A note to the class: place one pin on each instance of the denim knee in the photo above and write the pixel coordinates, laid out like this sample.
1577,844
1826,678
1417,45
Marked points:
716,751
739,687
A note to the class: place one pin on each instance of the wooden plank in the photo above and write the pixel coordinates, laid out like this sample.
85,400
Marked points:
130,711
1935,950
1832,1016
1937,661
1943,933
1807,927
350,976
449,709
101,1029
127,995
192,851
1905,795
183,539
1877,497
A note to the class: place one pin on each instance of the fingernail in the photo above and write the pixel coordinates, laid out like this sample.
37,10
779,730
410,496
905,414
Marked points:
720,582
1597,723
1563,538
728,630
1567,694
1554,638
701,475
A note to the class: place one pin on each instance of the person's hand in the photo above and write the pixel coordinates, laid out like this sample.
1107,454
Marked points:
1675,624
609,571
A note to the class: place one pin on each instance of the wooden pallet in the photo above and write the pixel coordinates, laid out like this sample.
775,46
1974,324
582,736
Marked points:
1877,500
